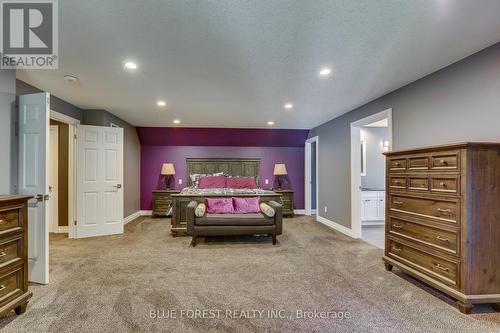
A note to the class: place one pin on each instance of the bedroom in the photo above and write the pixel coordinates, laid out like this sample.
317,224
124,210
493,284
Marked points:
256,104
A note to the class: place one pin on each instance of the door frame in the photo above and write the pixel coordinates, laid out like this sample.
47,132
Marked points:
54,166
72,204
356,164
307,176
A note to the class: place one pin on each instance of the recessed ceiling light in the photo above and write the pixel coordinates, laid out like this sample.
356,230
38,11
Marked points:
161,103
325,71
70,78
270,123
130,65
177,121
288,106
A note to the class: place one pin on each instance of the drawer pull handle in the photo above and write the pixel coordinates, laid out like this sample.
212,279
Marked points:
2,221
443,268
442,184
3,254
398,226
397,249
2,287
443,162
442,239
396,182
442,210
396,164
397,202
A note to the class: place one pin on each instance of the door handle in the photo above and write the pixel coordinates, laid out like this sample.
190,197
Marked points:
118,186
42,197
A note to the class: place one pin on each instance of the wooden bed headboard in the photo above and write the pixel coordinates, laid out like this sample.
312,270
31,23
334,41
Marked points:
245,167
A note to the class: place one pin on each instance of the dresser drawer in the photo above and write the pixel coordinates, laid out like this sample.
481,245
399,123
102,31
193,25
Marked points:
445,161
10,219
432,208
398,164
437,267
418,163
11,284
445,184
10,250
397,182
433,235
418,183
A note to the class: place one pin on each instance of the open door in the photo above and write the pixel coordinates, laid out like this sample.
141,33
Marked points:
99,181
34,111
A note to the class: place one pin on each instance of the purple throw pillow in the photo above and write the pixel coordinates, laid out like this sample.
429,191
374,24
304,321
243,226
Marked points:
242,182
212,182
219,205
246,205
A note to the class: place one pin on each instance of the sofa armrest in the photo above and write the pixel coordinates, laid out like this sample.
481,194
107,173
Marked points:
191,207
278,216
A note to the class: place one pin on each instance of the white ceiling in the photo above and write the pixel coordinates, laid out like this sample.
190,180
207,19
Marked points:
380,123
229,63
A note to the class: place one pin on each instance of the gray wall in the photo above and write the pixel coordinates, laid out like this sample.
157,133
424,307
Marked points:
375,161
131,156
131,145
458,103
8,142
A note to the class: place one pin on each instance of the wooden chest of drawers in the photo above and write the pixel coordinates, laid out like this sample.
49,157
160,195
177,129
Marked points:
443,219
14,294
287,198
162,202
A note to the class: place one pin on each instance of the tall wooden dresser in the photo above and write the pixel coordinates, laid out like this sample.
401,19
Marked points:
443,219
14,292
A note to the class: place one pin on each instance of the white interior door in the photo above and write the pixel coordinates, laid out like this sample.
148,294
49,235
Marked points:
99,181
54,178
34,110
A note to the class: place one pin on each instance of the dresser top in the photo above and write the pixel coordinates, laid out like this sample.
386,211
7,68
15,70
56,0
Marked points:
461,145
9,198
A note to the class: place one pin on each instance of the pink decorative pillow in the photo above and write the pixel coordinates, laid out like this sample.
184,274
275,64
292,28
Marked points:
212,182
219,205
246,205
243,182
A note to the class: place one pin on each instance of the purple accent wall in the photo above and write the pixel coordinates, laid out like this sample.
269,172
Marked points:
221,137
152,158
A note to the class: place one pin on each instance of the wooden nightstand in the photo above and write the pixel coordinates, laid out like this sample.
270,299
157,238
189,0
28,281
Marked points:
162,202
287,196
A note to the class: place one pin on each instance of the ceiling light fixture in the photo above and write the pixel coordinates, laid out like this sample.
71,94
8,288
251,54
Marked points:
161,103
130,65
270,123
70,78
177,121
325,71
288,106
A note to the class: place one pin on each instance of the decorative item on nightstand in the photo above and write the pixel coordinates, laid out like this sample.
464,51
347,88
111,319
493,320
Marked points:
287,198
162,202
168,171
279,172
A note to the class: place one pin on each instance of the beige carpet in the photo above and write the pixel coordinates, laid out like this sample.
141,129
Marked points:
111,284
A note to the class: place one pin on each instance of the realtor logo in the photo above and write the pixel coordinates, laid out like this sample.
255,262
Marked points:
29,34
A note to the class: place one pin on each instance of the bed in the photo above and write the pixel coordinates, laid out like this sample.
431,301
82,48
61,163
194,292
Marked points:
242,167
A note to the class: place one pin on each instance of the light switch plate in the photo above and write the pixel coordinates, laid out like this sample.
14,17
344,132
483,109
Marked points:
267,181
180,181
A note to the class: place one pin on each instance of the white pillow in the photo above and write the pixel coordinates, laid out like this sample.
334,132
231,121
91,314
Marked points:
267,210
200,210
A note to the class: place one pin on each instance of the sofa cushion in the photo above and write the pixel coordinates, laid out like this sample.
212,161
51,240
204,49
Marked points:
267,210
245,205
219,205
234,219
200,210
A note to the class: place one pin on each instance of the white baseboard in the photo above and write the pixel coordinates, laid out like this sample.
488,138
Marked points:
313,211
131,217
335,226
61,230
299,211
371,223
146,212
